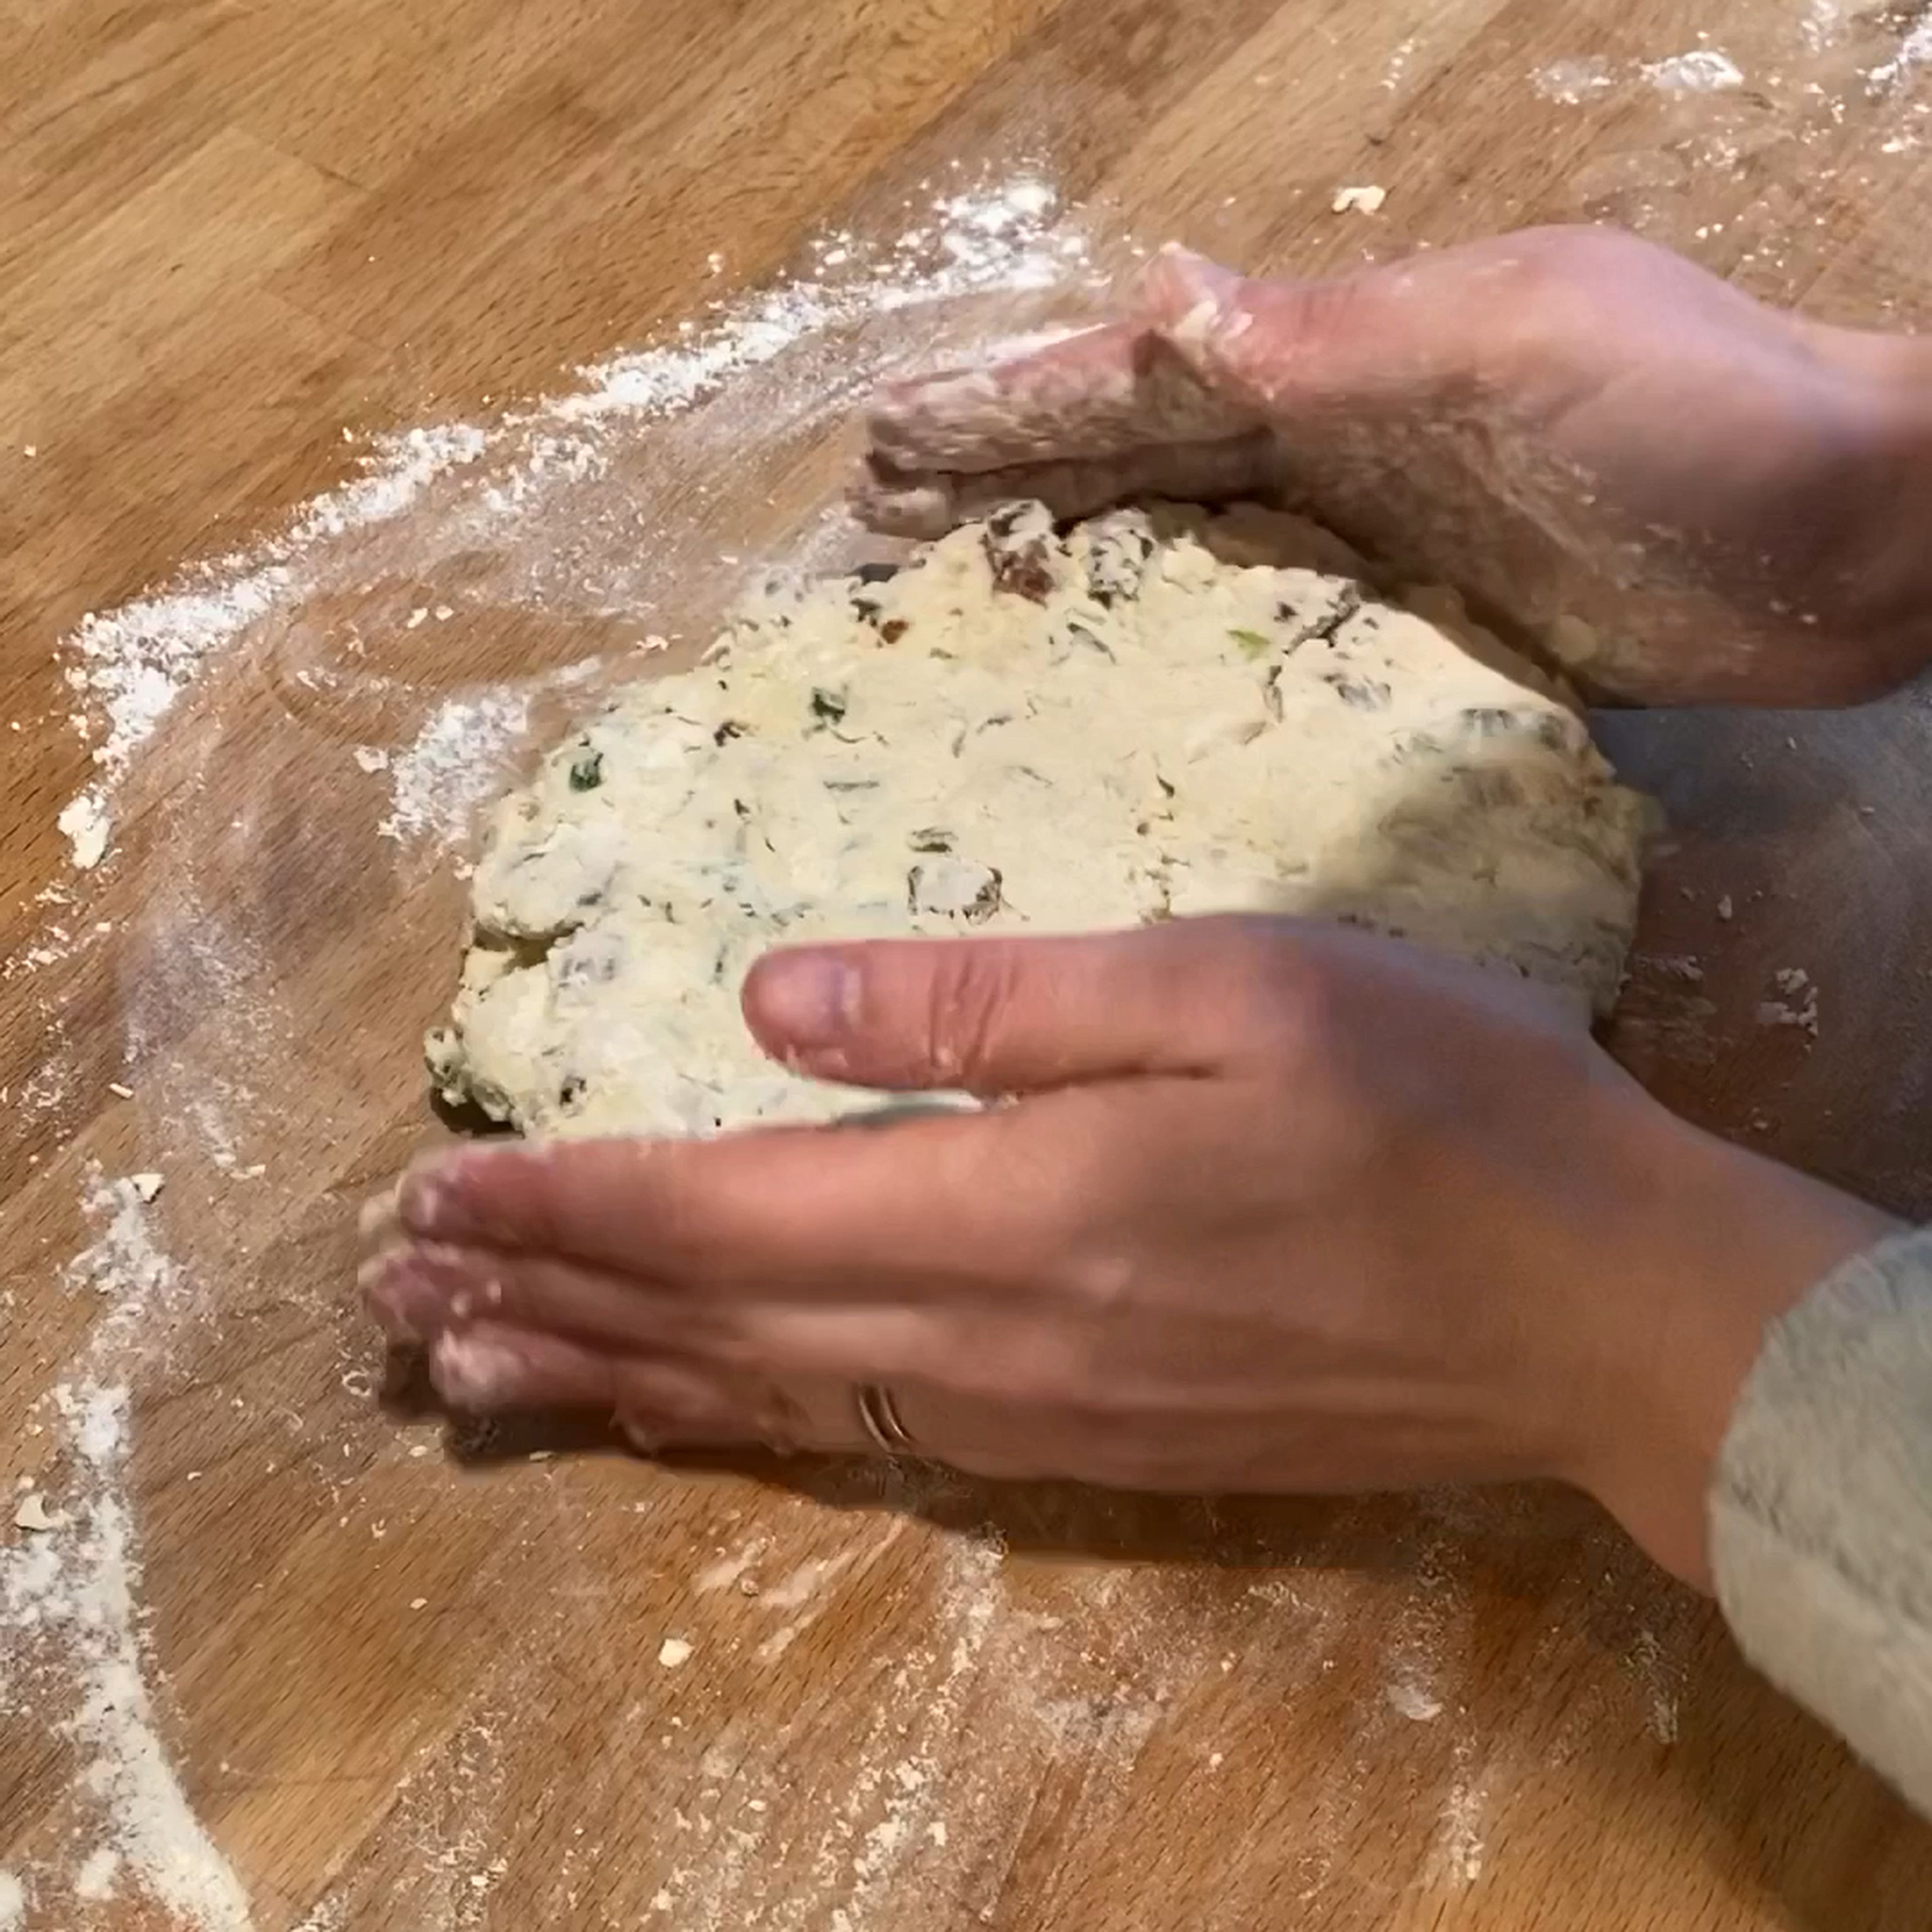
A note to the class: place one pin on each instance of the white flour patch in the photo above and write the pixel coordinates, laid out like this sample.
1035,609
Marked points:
56,942
1824,20
123,1263
1572,82
128,668
1915,52
455,763
1408,1699
331,1915
13,1902
1701,70
83,820
69,1606
202,1115
1460,1847
986,242
731,1569
99,1872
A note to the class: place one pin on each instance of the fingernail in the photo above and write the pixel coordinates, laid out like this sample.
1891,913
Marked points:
405,1307
471,1371
806,1001
421,1202
417,1291
429,1199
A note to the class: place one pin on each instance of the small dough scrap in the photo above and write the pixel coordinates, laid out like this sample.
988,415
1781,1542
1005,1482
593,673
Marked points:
1160,712
1365,200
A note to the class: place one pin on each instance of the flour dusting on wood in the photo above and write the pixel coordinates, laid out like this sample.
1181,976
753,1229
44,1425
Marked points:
561,504
70,1601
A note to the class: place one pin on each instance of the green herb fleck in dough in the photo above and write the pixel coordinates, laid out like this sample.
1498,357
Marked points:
587,771
827,706
1253,643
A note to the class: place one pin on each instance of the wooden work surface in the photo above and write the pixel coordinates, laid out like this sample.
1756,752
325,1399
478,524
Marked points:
405,1688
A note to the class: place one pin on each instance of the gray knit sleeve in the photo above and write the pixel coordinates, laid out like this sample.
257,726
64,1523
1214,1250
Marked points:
1821,1509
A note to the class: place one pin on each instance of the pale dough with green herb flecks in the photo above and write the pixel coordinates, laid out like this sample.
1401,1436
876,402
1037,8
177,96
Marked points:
1153,714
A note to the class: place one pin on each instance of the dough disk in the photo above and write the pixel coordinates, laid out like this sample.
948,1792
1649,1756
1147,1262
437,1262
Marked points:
1156,713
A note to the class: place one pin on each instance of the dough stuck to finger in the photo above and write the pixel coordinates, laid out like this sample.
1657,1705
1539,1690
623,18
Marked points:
474,1372
1156,713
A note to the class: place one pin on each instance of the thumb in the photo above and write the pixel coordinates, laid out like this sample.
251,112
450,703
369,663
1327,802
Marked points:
999,1016
1281,347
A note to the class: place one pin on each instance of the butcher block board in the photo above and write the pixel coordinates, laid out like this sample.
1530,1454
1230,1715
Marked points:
418,365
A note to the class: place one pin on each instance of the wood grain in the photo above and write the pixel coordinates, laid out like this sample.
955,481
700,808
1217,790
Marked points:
414,1684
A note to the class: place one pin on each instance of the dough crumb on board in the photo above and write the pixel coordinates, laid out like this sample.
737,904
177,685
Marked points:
1157,713
1364,200
31,1514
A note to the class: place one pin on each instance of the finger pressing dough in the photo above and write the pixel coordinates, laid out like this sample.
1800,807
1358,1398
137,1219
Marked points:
1154,714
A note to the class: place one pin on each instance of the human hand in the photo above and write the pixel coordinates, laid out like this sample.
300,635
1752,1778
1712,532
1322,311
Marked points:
1265,1206
1725,502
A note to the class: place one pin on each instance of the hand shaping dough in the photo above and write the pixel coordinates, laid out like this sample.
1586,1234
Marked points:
1156,713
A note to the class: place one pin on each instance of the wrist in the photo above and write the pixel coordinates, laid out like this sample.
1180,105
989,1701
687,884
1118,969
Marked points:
1714,1245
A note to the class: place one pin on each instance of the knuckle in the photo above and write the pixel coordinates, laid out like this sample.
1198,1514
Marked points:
1101,1283
973,988
678,1195
1284,994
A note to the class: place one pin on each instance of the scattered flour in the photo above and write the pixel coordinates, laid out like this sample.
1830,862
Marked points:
1702,70
129,668
123,1263
84,821
69,1612
1409,1700
454,765
1824,20
1915,52
99,1871
520,490
69,1596
1398,62
1572,81
1460,1845
331,1915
